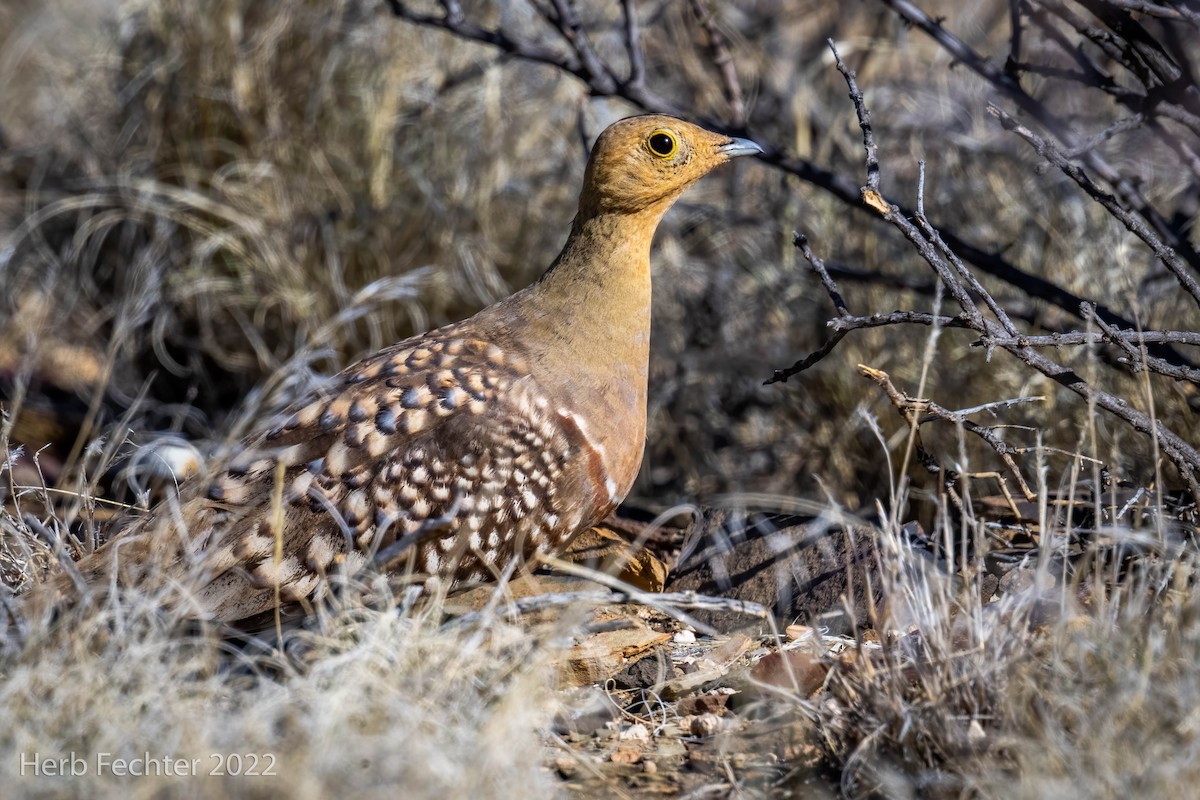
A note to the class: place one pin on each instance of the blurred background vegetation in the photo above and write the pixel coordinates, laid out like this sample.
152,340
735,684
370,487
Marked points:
202,204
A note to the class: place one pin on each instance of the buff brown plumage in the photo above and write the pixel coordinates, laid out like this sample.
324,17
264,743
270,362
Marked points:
453,452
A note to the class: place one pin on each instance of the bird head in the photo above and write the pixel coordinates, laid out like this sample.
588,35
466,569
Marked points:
642,164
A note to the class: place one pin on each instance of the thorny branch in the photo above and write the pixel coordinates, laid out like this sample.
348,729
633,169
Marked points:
918,411
1048,151
1002,333
1124,189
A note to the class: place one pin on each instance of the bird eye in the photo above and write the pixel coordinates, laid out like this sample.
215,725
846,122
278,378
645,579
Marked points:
663,144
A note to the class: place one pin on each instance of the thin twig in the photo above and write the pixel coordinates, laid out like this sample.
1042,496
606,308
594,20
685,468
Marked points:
723,61
864,122
818,266
1138,358
1137,227
1076,338
633,44
920,411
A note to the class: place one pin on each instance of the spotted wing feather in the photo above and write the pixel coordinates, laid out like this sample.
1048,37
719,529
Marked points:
445,439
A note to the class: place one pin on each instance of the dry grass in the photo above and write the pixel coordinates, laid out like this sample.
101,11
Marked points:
1080,684
202,205
363,702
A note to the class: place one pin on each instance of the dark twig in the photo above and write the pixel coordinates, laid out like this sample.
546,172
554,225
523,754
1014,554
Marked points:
1051,153
898,318
1138,359
782,375
568,24
633,45
723,61
1156,10
1110,334
864,122
1012,64
1184,456
818,266
968,278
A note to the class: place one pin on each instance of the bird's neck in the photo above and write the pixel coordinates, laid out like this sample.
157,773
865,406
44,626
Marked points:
590,321
597,295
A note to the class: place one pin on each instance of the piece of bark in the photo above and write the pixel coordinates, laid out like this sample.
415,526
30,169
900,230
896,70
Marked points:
606,551
599,656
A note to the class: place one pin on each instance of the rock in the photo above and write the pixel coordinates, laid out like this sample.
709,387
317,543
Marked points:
792,670
703,725
603,550
599,656
698,704
645,673
786,563
626,754
587,710
635,733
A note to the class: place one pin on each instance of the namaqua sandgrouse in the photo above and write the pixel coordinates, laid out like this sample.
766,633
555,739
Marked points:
493,438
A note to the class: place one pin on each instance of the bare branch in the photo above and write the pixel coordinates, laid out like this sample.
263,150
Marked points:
919,411
1138,359
898,318
633,45
951,272
1156,10
870,192
723,61
1110,334
1051,153
567,22
818,266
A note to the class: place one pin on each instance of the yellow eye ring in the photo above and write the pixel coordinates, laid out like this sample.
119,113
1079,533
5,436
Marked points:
662,144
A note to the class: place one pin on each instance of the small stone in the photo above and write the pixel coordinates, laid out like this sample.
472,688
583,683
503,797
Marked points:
697,704
792,670
643,674
649,767
704,725
634,733
1017,580
626,754
671,748
684,637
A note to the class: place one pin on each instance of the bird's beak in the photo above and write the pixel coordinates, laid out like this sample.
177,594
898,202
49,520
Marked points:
739,147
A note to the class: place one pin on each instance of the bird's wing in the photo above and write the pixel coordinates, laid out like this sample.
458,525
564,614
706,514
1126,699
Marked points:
444,438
